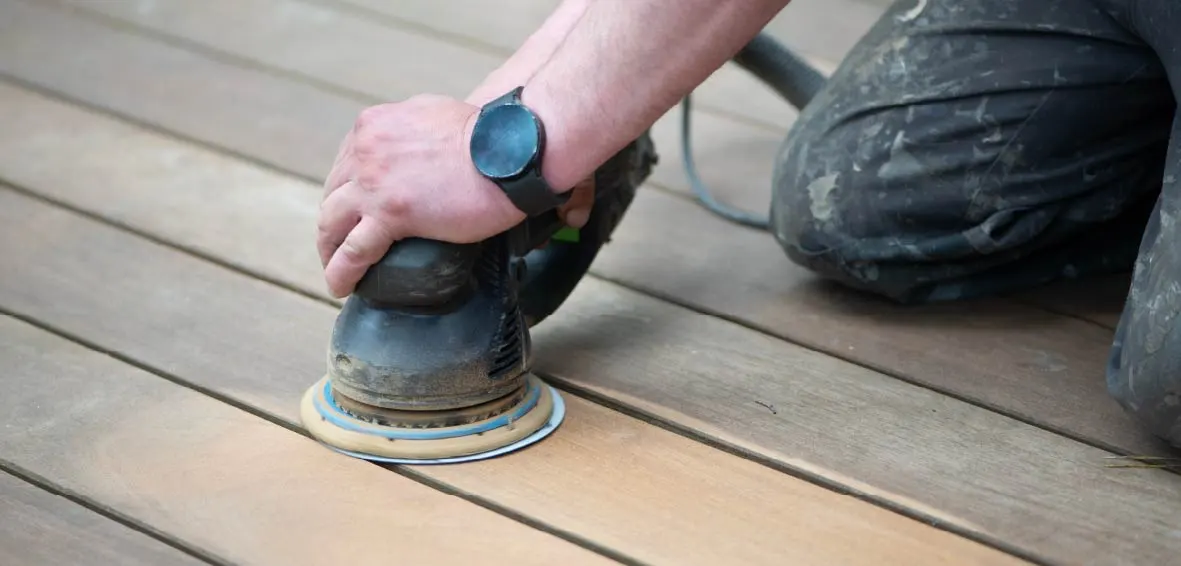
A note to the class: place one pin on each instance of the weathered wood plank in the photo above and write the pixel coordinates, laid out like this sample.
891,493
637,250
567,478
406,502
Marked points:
684,502
1042,368
244,489
895,442
38,528
175,88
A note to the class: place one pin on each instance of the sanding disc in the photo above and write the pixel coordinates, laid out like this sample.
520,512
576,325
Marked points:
539,413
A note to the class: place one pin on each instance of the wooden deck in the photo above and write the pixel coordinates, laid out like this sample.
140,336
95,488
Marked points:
163,309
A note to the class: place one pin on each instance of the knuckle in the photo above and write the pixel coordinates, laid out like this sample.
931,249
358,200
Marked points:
371,178
351,251
324,229
395,205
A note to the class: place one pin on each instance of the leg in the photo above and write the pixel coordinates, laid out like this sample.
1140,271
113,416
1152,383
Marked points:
1144,371
972,147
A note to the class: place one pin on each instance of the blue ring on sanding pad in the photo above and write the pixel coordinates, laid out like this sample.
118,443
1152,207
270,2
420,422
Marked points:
333,414
556,417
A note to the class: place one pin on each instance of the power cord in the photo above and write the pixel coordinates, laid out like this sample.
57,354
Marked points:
782,70
700,190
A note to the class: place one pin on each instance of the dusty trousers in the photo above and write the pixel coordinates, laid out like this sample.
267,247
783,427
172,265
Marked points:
967,148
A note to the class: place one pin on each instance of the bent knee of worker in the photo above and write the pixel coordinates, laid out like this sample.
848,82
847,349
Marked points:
822,219
1144,377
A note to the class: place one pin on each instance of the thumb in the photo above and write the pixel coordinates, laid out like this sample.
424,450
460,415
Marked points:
577,210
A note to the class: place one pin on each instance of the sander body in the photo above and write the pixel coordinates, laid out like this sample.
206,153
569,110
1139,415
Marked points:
429,359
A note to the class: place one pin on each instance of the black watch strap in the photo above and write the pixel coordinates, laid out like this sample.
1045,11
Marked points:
529,192
532,194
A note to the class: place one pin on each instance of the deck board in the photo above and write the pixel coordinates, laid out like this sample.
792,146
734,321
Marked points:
1038,367
628,486
237,487
827,418
39,528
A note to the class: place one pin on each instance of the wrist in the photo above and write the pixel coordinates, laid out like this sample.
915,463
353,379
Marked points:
507,145
484,184
562,166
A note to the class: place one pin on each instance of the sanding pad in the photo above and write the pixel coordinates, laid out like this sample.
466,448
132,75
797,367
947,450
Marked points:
539,413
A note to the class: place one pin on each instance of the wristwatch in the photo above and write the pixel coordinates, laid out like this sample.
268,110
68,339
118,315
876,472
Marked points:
506,147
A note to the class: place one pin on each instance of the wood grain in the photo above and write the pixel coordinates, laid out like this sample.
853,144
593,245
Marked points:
38,528
849,425
220,479
1042,368
210,100
639,490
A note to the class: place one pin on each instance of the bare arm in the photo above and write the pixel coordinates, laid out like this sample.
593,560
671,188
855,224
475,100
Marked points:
618,65
532,54
598,72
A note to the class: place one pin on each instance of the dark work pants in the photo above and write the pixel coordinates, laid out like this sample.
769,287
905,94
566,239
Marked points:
973,147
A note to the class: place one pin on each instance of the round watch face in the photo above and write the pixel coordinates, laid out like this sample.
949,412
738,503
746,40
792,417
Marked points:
504,141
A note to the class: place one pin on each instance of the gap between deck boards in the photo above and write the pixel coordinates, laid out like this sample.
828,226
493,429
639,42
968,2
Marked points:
104,513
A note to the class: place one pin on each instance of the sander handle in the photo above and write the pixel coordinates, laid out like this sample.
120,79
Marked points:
422,275
418,273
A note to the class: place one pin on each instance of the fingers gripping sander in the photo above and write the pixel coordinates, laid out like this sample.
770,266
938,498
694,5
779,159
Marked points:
430,357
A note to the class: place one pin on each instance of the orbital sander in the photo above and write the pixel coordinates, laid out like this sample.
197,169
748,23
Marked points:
430,357
429,360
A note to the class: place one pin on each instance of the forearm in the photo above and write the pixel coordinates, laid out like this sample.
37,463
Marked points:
624,64
531,55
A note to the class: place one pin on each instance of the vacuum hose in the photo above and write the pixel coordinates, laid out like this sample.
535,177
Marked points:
786,73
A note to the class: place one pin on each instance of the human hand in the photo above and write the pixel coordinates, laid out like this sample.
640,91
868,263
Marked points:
404,171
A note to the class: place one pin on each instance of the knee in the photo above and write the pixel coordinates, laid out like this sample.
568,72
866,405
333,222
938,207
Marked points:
827,217
1144,374
811,224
